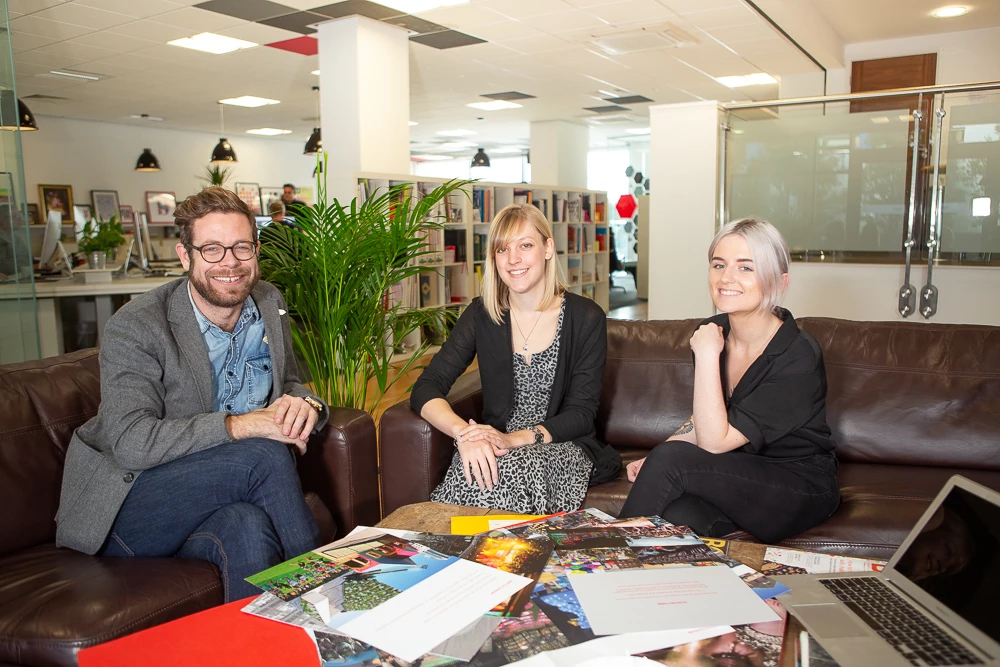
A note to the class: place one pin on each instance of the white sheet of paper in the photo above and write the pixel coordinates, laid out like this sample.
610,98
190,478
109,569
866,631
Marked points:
667,599
619,645
424,615
497,524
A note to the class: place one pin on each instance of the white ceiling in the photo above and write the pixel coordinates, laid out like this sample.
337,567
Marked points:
539,47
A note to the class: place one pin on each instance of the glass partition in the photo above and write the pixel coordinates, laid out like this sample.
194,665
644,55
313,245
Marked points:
831,183
18,321
970,220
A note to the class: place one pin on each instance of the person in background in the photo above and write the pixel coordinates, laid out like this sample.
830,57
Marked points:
288,197
201,397
757,453
541,353
276,210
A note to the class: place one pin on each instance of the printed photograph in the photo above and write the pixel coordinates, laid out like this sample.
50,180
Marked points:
556,598
562,522
518,638
105,204
586,561
250,194
585,538
515,555
337,650
160,207
294,577
665,555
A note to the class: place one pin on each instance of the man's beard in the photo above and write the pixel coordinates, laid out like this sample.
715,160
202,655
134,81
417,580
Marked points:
210,292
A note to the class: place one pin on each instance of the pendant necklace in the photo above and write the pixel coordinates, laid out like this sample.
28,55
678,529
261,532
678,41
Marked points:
525,338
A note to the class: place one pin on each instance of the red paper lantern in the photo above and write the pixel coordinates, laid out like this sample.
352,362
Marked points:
626,206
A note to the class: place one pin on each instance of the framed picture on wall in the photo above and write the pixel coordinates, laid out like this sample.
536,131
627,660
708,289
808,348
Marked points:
268,195
160,207
105,204
127,214
250,194
34,217
56,198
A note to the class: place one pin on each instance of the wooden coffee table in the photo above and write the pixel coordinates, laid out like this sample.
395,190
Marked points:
436,518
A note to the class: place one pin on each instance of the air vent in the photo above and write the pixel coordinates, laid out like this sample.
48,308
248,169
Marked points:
509,96
612,119
635,40
611,108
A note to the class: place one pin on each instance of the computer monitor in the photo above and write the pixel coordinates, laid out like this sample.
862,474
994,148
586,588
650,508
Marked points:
53,256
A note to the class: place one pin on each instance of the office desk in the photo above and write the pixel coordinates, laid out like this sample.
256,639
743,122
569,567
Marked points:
47,295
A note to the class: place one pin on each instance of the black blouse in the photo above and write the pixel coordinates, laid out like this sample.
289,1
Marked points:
576,390
780,402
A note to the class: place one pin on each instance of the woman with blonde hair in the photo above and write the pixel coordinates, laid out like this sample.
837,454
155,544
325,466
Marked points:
541,356
757,453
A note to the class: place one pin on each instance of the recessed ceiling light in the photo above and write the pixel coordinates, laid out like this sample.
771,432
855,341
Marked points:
268,131
880,120
316,72
414,6
431,158
413,122
755,79
455,133
950,11
248,101
508,149
495,105
76,75
638,130
607,93
212,43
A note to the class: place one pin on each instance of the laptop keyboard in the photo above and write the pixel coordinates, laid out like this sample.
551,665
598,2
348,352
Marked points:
898,622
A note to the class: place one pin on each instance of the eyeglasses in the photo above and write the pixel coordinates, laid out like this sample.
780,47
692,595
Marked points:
213,253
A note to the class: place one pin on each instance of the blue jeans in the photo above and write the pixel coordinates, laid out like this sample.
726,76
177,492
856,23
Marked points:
237,505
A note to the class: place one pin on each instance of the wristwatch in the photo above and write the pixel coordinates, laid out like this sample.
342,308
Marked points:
313,403
539,436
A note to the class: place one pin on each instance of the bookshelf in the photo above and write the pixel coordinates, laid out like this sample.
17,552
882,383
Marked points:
579,220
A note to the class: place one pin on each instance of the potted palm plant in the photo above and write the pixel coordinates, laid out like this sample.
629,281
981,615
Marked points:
216,174
337,268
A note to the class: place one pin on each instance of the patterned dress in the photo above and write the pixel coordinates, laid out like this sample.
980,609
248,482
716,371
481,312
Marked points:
535,479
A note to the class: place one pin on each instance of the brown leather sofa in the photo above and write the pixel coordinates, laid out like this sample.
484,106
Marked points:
910,404
54,602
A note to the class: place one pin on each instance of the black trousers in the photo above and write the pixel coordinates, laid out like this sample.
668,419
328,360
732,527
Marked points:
714,494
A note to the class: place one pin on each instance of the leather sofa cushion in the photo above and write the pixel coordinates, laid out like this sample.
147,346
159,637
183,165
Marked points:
42,590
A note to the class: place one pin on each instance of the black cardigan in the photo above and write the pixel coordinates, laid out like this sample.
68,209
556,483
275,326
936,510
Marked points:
576,390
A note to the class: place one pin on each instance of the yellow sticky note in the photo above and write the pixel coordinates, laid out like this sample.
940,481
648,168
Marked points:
473,525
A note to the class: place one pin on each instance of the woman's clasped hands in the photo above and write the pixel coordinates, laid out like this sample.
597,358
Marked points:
479,446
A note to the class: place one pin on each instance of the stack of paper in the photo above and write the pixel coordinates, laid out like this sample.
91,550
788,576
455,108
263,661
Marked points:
550,592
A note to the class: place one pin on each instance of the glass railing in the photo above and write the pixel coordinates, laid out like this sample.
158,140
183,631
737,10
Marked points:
835,174
18,321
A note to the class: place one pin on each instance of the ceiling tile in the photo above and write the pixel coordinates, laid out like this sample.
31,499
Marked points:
633,11
114,42
301,4
33,25
24,42
158,33
464,17
248,10
196,20
446,39
298,22
519,10
304,45
572,21
76,50
259,33
50,60
133,8
503,32
31,6
685,7
87,17
414,24
372,10
540,44
722,18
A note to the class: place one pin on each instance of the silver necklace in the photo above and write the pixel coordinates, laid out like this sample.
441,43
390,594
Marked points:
525,338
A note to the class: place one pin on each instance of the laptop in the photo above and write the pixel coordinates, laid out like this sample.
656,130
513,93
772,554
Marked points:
937,602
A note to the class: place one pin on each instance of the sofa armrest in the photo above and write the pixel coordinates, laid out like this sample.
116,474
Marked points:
341,467
414,455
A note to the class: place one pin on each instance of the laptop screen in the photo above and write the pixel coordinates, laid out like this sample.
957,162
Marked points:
956,559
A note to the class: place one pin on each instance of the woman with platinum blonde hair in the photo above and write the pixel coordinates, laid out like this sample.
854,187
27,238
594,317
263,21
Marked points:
757,454
541,355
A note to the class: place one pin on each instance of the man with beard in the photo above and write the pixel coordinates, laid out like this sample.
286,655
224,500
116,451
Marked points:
200,397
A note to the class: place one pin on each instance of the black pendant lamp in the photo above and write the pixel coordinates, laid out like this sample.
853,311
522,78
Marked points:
223,151
14,113
481,159
147,161
315,143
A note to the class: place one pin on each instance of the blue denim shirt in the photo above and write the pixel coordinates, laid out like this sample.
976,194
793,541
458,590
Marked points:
241,361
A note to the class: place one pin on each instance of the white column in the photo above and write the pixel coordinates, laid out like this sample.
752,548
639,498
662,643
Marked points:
559,153
684,150
364,99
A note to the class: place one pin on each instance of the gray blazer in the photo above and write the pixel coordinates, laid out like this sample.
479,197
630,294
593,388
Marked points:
156,404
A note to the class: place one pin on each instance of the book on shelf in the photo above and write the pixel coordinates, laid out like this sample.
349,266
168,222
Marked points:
573,209
572,240
543,206
522,197
479,246
456,239
482,210
429,293
585,205
601,237
573,270
599,211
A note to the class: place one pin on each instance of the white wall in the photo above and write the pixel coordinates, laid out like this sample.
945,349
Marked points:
962,57
101,156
